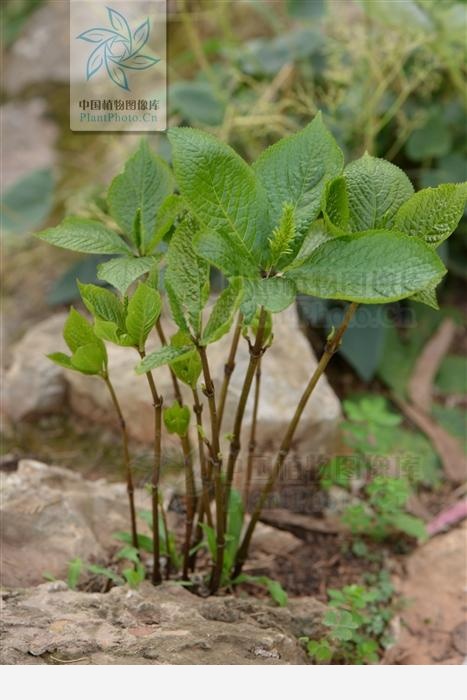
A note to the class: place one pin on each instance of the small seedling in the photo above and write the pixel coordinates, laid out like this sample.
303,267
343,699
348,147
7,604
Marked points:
375,434
358,617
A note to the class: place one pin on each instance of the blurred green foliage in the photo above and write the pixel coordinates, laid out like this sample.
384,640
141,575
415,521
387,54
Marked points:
14,15
25,205
389,76
357,619
386,464
380,445
452,376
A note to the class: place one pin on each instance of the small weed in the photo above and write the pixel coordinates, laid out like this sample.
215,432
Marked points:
358,618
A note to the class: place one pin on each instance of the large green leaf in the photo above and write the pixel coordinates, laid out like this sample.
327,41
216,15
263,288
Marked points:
433,214
112,332
376,189
143,311
87,359
223,312
77,331
316,236
161,357
225,252
296,169
144,184
90,358
84,236
186,280
122,272
222,192
370,267
89,355
103,304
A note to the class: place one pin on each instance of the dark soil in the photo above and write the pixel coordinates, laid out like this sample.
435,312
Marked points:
322,562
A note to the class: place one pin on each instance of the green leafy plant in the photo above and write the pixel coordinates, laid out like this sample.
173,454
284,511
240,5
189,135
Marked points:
383,513
358,617
296,221
379,442
388,461
75,568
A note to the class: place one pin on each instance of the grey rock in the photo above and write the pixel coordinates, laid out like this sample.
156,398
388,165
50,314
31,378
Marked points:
89,399
68,626
29,139
220,611
33,385
287,365
433,627
52,515
269,540
40,54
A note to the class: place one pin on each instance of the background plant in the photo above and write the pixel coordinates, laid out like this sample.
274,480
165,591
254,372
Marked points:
358,618
388,463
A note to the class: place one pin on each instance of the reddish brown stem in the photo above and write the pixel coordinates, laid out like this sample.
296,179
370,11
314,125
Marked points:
331,347
164,520
175,383
127,462
205,500
216,462
190,496
204,503
256,351
252,443
228,369
157,403
190,487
